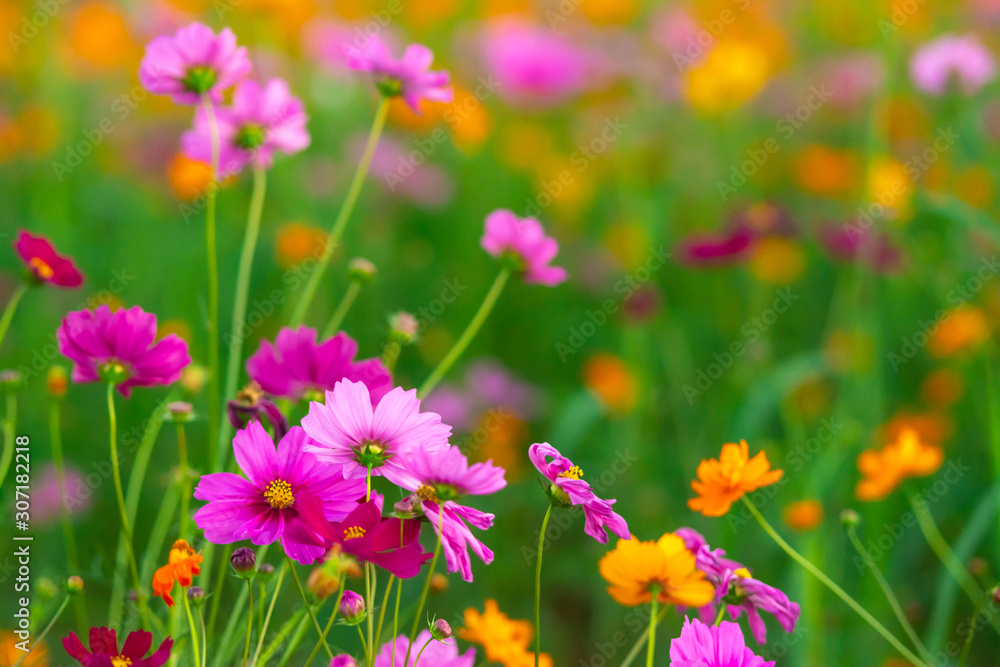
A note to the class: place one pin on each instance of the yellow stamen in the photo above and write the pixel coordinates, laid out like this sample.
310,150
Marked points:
121,661
573,473
278,494
41,269
742,573
354,532
427,493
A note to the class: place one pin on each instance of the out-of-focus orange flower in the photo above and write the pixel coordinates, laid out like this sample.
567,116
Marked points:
723,481
426,13
963,328
356,9
465,117
298,242
504,444
10,653
890,185
823,170
11,137
636,571
504,640
609,12
732,74
11,25
189,179
942,388
777,261
190,6
932,427
610,380
884,469
804,515
182,565
505,7
100,37
39,129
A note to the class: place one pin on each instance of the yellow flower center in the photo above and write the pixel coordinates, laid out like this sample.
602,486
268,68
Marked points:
43,271
354,532
573,473
742,573
121,661
426,492
278,494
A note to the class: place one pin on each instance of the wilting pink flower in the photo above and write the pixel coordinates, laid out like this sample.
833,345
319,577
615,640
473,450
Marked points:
438,653
959,58
736,589
408,77
104,649
349,431
392,544
118,347
43,262
260,121
296,366
47,502
703,645
568,488
441,478
192,63
855,243
260,506
523,239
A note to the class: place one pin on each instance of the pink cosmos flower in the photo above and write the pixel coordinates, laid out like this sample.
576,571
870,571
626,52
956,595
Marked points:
736,589
295,366
487,385
46,501
43,262
703,645
260,121
568,488
392,544
438,653
408,77
350,431
260,506
343,660
441,478
104,649
959,58
524,239
118,347
192,63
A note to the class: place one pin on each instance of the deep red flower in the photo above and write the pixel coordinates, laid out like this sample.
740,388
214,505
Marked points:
44,263
104,649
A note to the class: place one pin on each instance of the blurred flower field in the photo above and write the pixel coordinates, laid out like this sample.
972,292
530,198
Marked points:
509,332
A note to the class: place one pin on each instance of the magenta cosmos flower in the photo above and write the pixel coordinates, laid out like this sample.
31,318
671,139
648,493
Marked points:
193,63
703,645
438,653
260,506
349,431
104,649
118,347
854,243
524,240
260,121
392,544
961,59
738,590
44,264
567,488
441,478
295,366
408,77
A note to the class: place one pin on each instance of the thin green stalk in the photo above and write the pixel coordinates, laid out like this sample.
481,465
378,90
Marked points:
48,627
641,641
416,661
329,623
350,294
897,608
227,645
204,636
158,534
8,311
220,580
126,530
9,433
470,331
369,658
296,621
370,616
299,315
185,480
395,620
72,555
240,306
427,586
212,321
246,646
816,572
194,631
972,631
385,604
270,611
940,547
309,609
721,615
651,646
538,584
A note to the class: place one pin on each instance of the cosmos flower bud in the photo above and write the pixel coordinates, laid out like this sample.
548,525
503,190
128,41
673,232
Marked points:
343,660
74,585
849,518
996,594
322,582
10,379
406,507
181,411
403,328
361,270
57,381
243,561
196,595
440,630
265,571
352,608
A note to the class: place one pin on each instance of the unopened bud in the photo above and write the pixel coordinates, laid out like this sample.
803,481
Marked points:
849,518
265,571
196,595
440,630
74,585
181,411
10,379
403,328
243,561
352,608
404,508
57,382
361,270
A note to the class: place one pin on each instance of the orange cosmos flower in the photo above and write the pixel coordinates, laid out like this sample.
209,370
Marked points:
181,567
639,570
10,653
608,378
298,242
722,482
804,515
503,639
963,328
884,469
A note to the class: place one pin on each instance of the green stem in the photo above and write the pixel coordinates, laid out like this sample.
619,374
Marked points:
972,631
721,615
185,480
470,331
204,643
48,627
364,645
72,555
194,631
220,579
897,609
350,294
395,619
838,591
385,604
212,321
299,315
270,610
295,621
416,661
427,586
9,435
240,306
329,623
246,646
370,595
8,311
641,641
126,530
538,584
309,609
940,547
651,646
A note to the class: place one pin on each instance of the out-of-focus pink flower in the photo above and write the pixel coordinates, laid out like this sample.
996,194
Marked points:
260,121
853,78
525,240
330,42
853,243
409,77
712,249
192,63
406,174
487,385
46,502
959,58
44,263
